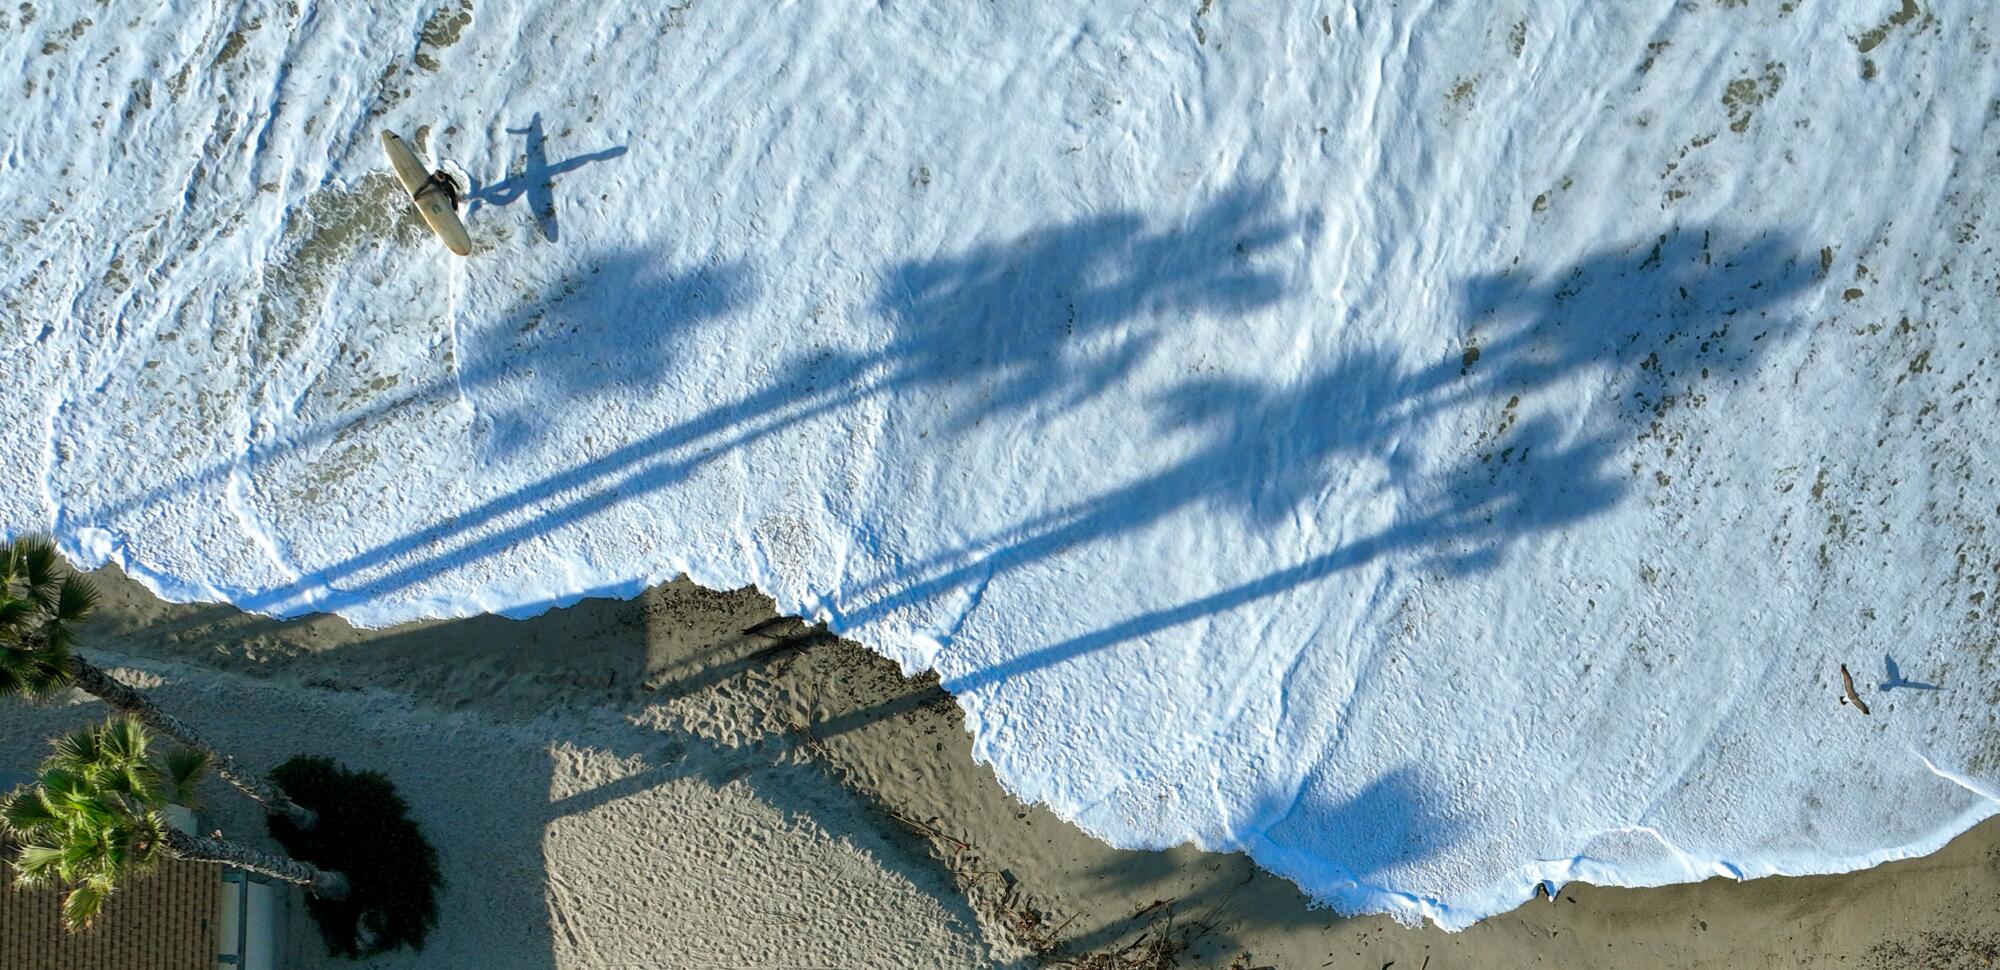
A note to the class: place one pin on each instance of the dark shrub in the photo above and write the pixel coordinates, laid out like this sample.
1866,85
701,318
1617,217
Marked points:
366,832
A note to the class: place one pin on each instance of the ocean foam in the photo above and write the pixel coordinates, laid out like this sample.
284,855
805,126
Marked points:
1435,448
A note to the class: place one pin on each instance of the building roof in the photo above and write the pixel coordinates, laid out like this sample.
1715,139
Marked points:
164,920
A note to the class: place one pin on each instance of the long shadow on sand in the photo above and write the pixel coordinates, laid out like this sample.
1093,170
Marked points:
595,666
611,659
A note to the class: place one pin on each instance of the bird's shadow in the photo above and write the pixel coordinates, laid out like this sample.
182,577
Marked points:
1893,678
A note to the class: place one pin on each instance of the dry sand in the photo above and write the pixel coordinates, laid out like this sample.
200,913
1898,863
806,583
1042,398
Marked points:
642,784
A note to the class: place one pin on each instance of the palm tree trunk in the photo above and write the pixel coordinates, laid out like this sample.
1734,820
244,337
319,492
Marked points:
93,680
324,884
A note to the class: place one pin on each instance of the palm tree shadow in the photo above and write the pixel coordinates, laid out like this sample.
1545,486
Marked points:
1657,325
1395,820
970,329
611,335
618,326
534,178
1048,320
614,332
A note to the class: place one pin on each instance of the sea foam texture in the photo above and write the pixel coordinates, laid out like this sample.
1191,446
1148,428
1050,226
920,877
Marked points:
1436,448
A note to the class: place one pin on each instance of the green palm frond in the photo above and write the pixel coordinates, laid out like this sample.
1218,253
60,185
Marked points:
39,671
138,783
36,865
110,762
32,672
16,612
84,851
79,798
83,904
124,739
51,657
58,785
90,812
41,568
75,599
40,600
120,847
77,752
23,813
94,817
141,839
150,828
56,635
185,766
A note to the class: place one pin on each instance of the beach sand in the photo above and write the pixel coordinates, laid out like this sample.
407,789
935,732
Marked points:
643,784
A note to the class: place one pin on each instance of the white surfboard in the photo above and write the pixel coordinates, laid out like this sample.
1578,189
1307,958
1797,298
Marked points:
433,202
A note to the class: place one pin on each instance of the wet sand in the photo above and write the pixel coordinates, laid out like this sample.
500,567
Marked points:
644,783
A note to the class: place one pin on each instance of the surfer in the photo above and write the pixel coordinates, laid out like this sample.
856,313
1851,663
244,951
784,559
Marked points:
435,194
443,181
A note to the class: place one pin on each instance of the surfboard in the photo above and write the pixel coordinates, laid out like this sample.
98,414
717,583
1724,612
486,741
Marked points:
433,202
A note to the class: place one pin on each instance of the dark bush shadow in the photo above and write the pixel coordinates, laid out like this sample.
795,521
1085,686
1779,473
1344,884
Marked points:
364,832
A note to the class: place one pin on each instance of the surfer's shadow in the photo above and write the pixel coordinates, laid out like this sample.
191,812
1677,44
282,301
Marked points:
532,178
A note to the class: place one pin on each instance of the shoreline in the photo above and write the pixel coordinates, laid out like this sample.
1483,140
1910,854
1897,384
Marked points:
1179,411
864,761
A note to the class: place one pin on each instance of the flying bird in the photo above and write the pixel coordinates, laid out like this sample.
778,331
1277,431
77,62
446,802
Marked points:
1847,681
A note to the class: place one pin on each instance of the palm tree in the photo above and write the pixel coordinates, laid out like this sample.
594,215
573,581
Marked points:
96,816
40,603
